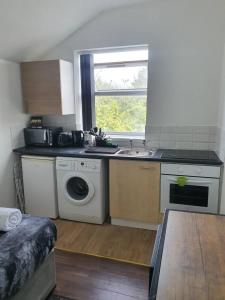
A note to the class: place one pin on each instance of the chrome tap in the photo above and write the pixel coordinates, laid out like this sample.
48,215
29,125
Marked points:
144,143
131,144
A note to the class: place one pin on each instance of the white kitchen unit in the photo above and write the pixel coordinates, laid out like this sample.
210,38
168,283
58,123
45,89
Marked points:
190,187
222,195
39,180
82,189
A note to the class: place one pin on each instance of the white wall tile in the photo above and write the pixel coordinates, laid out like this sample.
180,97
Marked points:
212,146
213,130
17,136
153,144
154,129
171,129
167,137
154,137
201,137
167,145
173,137
184,129
184,137
212,138
200,146
201,129
67,121
184,145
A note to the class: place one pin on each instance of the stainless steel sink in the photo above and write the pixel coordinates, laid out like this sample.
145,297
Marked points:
135,152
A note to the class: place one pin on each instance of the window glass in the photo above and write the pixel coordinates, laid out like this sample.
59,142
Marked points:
120,78
121,113
118,56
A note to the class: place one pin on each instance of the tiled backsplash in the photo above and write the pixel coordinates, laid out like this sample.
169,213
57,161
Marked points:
67,121
172,137
182,137
122,142
179,137
220,143
16,134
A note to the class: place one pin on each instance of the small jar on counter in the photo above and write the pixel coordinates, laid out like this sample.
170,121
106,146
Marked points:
89,140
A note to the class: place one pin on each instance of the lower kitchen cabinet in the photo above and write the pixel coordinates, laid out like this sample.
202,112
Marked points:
134,190
40,186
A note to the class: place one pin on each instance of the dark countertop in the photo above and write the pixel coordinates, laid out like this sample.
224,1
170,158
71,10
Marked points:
161,155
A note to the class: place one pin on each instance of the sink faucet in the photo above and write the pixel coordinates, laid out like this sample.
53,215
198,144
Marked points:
131,144
144,143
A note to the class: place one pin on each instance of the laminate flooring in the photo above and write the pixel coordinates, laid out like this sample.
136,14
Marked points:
85,277
108,241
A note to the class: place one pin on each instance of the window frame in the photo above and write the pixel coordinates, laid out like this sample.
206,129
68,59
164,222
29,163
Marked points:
121,92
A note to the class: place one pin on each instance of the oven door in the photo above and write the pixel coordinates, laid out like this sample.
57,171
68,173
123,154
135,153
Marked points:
198,194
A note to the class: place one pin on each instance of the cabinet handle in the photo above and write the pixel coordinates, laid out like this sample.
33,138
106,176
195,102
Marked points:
148,168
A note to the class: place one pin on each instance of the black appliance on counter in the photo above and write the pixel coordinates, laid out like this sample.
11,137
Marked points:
65,139
42,137
78,138
36,122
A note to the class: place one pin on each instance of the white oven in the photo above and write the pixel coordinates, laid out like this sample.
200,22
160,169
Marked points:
189,187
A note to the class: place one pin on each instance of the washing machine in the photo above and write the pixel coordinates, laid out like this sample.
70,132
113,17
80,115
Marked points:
82,192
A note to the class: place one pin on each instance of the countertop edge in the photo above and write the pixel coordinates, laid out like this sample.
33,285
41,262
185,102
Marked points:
156,272
58,152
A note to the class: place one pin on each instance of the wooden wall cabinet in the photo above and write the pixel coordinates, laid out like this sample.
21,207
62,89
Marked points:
134,188
48,87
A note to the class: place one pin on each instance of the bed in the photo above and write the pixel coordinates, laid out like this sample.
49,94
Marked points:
27,267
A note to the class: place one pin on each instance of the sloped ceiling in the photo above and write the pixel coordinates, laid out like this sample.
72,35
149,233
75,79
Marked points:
29,28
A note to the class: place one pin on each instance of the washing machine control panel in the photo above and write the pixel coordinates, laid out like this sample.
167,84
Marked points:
65,165
78,164
87,166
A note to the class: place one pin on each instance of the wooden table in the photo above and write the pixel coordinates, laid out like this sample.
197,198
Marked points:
191,258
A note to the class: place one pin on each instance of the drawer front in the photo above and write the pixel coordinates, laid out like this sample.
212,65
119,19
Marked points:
190,170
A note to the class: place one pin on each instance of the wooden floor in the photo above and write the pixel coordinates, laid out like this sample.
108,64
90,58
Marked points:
84,277
109,241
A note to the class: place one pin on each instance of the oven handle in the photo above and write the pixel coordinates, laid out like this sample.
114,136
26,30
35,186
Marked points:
45,136
171,179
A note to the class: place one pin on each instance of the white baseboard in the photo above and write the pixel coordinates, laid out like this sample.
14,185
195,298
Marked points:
133,224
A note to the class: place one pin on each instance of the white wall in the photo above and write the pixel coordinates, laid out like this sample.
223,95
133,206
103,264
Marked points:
221,132
186,43
12,120
221,113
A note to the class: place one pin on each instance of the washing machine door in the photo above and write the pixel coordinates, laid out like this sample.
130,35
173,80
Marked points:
78,189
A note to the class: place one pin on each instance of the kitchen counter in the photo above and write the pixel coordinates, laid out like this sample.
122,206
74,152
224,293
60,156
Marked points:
190,257
161,155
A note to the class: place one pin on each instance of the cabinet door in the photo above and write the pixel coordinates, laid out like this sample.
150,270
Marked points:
134,190
41,87
40,186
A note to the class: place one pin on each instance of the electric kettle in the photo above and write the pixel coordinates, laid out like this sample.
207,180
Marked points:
78,138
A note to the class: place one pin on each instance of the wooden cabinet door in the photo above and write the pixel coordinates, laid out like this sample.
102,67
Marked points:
41,87
134,190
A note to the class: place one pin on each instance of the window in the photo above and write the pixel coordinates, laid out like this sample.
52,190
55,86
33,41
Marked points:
114,90
120,90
